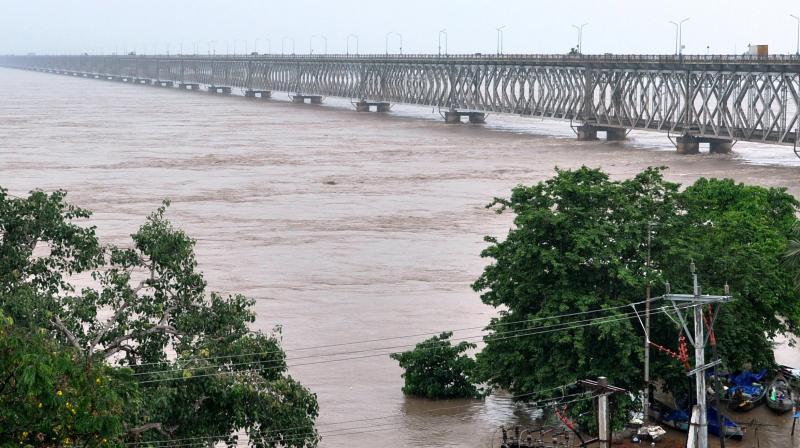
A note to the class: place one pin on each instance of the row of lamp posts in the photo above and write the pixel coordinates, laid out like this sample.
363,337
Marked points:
212,44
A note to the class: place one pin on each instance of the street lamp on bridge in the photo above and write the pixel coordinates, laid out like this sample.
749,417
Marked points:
500,39
355,36
679,35
283,40
311,43
444,31
580,36
797,52
387,41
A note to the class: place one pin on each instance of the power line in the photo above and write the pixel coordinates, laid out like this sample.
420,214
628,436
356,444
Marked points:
433,343
482,327
528,332
597,321
192,441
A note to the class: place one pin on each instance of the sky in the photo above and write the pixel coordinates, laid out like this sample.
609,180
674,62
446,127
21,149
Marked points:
531,26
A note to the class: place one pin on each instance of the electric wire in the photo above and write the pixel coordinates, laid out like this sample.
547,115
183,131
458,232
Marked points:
407,336
596,321
431,333
194,441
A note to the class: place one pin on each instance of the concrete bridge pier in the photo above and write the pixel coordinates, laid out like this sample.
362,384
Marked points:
224,90
690,144
588,132
380,106
717,146
313,99
453,116
616,134
687,144
262,94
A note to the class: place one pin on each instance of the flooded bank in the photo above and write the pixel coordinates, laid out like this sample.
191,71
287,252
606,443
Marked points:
345,227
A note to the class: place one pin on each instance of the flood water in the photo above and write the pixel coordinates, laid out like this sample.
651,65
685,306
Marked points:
344,227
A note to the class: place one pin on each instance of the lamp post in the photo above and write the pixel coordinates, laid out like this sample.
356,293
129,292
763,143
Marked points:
355,36
444,31
283,40
269,45
311,42
679,35
580,36
255,45
500,39
387,41
797,52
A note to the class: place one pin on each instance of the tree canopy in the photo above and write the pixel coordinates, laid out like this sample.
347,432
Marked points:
438,369
184,361
578,247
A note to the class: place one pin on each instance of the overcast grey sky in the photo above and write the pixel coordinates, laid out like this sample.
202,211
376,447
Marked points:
532,26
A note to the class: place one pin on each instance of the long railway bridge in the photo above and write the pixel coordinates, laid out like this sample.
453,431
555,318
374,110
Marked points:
698,99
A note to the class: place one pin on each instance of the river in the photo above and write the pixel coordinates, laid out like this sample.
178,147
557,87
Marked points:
343,226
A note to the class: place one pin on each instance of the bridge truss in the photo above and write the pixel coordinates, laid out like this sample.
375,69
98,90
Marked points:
721,97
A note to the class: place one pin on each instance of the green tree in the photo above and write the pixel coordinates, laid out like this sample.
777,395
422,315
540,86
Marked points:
793,255
736,234
137,304
438,369
578,245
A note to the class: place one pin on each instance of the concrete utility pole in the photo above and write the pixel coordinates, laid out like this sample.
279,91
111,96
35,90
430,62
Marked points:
698,302
602,390
646,397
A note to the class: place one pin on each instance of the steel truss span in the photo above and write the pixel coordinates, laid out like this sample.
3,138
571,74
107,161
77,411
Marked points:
719,97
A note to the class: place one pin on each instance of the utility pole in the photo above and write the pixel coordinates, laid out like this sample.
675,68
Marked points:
646,397
698,302
602,390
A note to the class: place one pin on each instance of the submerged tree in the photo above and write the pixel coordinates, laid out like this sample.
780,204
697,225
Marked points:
135,306
578,249
438,369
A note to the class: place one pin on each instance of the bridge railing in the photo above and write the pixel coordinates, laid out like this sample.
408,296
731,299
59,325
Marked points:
561,58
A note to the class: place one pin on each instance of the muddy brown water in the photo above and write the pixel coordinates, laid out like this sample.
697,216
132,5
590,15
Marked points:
344,227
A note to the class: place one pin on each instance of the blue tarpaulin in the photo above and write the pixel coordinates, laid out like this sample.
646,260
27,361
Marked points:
748,383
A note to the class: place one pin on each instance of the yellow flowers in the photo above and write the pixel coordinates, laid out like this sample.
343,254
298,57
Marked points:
39,405
97,381
59,393
71,408
105,440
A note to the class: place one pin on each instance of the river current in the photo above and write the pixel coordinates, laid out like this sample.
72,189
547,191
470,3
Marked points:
343,226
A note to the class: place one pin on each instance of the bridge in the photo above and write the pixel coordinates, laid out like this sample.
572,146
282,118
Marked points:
697,99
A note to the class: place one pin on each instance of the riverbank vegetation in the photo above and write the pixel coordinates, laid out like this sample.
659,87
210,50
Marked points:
105,345
564,276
